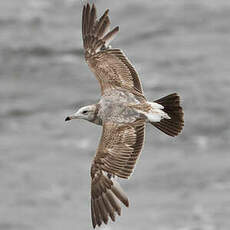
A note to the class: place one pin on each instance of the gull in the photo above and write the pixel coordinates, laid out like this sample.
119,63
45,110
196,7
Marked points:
122,111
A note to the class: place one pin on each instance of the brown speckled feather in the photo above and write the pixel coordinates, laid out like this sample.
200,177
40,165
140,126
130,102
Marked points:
118,151
120,147
123,111
110,66
105,197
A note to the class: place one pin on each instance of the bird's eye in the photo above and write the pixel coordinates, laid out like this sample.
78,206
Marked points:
85,112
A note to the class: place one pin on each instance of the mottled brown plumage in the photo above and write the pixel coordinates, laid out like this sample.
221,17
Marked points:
120,147
110,66
122,111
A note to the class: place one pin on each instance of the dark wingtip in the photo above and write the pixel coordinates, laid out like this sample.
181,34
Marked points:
127,203
106,11
67,119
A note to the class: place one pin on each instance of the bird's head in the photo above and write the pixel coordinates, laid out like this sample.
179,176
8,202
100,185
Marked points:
86,113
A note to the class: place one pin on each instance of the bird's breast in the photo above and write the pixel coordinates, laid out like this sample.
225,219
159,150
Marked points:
115,108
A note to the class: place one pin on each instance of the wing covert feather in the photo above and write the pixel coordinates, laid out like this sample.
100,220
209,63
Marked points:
120,147
110,66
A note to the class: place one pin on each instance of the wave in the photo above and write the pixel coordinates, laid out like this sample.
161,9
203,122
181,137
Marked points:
42,51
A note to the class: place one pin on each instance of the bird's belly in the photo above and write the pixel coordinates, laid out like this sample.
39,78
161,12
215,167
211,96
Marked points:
116,109
118,113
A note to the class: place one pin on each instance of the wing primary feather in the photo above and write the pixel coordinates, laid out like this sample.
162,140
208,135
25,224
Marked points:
97,213
113,202
102,209
103,28
108,206
87,17
85,25
100,22
83,22
94,222
117,190
92,19
110,36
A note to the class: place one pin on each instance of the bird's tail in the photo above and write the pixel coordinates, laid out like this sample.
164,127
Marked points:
105,196
174,125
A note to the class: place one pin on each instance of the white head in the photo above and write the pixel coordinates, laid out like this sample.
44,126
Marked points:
87,113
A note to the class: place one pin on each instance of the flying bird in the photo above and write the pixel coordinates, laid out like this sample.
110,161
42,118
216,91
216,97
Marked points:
122,111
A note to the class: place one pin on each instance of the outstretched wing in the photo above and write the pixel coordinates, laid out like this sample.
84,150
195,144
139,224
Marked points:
110,66
119,147
118,151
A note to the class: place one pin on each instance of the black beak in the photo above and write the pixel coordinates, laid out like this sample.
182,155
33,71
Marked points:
67,119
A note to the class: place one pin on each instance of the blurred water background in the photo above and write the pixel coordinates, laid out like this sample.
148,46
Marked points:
176,46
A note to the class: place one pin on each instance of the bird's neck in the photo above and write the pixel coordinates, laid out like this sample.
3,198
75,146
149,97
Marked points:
96,119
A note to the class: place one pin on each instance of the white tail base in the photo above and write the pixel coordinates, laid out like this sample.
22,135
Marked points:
156,114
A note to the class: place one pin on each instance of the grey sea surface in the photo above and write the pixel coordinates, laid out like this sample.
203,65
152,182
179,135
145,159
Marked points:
180,183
